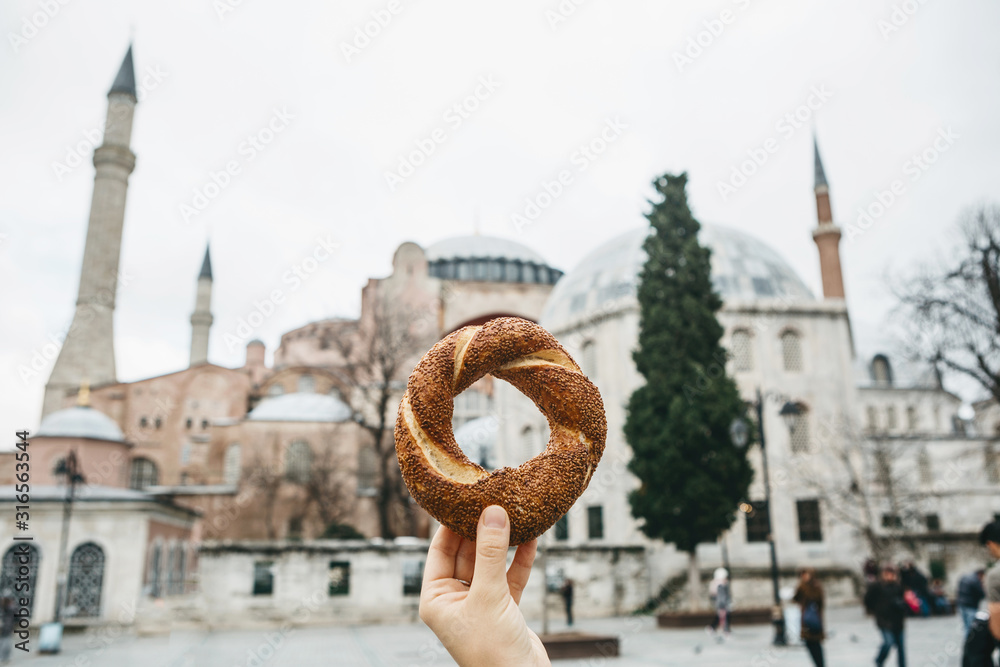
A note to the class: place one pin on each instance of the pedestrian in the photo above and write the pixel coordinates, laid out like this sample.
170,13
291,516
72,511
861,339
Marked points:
870,570
970,594
983,634
809,597
567,596
722,601
6,629
884,601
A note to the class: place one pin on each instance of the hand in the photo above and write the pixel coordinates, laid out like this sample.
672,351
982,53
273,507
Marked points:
479,622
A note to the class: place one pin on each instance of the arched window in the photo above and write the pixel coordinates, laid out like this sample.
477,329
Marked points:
741,351
890,418
143,473
588,358
881,370
307,384
799,435
231,464
791,351
13,560
298,461
872,418
912,419
85,582
367,471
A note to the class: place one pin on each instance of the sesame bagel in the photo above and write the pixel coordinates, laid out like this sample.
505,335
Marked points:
455,490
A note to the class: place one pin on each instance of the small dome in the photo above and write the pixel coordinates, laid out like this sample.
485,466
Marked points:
301,407
490,259
80,422
744,268
478,439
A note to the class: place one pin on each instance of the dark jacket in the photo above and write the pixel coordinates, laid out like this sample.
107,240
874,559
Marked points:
804,597
885,602
970,591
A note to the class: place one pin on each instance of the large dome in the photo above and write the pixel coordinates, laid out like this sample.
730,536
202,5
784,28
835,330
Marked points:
301,407
490,259
80,422
743,269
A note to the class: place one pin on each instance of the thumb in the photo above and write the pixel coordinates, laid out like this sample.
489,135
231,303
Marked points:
489,580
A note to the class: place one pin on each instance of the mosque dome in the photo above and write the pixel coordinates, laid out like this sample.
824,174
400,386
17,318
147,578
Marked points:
488,259
301,407
80,422
744,268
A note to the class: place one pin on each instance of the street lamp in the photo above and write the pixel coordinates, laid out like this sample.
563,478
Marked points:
740,434
70,470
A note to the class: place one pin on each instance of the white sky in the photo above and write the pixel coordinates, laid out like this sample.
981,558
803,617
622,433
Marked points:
224,76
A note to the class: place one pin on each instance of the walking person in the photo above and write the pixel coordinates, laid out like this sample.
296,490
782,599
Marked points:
567,595
970,594
722,601
6,629
809,596
884,601
981,639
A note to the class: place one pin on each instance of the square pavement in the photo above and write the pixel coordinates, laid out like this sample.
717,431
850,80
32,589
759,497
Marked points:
853,641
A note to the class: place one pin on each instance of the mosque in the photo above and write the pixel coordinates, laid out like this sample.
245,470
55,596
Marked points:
184,470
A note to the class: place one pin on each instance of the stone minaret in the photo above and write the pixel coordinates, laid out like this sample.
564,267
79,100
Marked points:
88,350
201,319
827,235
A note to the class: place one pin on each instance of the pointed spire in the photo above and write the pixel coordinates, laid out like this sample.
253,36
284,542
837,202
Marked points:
820,175
83,396
125,81
206,266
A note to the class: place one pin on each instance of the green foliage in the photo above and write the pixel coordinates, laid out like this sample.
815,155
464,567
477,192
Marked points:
342,531
692,476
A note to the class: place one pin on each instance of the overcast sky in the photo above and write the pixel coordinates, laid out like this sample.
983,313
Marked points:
885,79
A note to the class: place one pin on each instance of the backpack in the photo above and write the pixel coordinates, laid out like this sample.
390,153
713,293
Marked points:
979,643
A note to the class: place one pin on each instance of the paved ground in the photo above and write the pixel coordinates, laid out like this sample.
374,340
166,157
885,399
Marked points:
853,642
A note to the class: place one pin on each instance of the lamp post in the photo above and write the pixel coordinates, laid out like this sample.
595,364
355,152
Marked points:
740,434
69,468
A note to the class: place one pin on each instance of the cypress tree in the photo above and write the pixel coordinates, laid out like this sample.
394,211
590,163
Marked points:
691,475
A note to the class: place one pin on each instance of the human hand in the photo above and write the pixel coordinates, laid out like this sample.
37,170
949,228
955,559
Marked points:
479,622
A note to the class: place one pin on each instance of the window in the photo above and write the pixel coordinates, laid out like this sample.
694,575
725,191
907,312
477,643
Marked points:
757,521
275,390
263,577
340,578
810,527
59,467
307,384
741,351
588,358
529,440
791,351
992,464
143,423
872,418
595,522
185,453
924,467
562,528
890,418
143,473
188,423
933,523
413,574
158,423
231,464
912,420
881,371
883,468
295,528
298,461
892,521
14,571
799,434
367,471
204,424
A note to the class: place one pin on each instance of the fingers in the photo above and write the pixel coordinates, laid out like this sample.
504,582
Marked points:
492,541
520,569
442,555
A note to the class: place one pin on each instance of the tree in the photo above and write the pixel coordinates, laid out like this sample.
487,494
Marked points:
326,487
372,377
953,310
691,475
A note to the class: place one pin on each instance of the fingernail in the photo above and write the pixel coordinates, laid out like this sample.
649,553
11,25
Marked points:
494,517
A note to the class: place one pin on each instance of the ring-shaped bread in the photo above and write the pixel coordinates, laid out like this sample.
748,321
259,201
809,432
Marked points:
455,490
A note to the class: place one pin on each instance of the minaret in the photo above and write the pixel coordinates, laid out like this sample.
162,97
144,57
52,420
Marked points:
201,319
827,235
88,350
